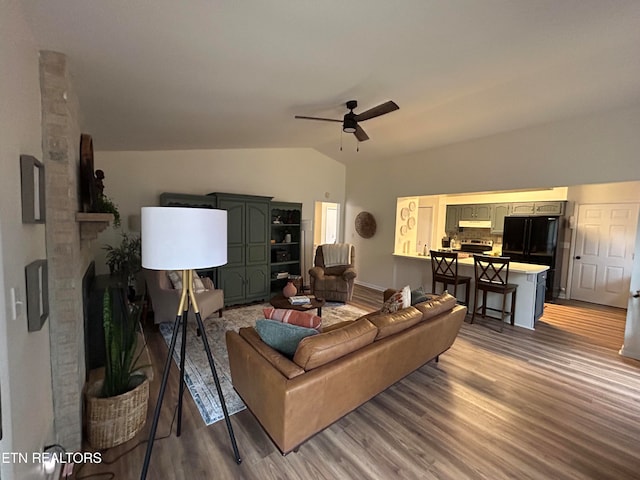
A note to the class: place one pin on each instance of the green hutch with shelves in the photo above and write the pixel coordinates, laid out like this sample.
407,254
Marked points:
263,240
286,238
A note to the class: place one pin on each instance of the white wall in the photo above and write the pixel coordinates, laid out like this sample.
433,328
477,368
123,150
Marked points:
597,148
135,179
25,365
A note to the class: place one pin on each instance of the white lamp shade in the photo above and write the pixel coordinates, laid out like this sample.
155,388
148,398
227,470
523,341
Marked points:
175,238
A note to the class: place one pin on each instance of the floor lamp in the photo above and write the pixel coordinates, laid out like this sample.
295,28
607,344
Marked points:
184,239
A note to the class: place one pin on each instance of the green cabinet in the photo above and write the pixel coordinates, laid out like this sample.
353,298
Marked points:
286,242
549,208
245,277
538,208
481,211
186,200
498,212
452,219
522,208
264,242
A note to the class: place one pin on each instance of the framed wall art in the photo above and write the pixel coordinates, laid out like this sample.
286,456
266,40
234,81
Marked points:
37,294
32,185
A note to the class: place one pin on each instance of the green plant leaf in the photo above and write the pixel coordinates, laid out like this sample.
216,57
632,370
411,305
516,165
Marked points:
120,334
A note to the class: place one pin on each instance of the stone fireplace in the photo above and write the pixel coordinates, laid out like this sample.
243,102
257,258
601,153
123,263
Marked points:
68,255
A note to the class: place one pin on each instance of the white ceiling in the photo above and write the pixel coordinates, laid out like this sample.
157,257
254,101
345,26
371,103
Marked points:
200,74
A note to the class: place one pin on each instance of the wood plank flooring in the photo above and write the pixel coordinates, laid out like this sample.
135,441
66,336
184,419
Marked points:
555,403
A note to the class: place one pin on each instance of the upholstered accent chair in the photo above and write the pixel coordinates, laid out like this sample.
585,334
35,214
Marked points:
165,298
332,282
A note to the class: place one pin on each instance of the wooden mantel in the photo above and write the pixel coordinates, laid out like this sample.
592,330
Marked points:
91,224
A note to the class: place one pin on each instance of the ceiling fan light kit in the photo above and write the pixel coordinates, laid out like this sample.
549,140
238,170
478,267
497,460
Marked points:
349,125
350,120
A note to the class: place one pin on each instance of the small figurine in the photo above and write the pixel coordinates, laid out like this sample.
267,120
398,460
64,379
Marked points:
99,183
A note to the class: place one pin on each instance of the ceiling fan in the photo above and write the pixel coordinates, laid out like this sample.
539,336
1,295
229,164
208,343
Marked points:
350,120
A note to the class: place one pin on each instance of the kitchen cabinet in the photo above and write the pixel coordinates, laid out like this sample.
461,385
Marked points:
538,208
541,287
498,212
452,219
481,211
245,277
549,208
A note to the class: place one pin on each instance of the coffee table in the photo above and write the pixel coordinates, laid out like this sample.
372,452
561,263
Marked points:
280,301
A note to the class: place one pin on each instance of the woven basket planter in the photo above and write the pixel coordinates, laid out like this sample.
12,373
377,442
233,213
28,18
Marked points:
115,420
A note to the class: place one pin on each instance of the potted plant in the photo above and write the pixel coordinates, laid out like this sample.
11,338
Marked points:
125,259
117,405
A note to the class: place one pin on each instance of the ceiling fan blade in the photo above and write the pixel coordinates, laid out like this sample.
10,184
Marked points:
360,134
381,109
318,118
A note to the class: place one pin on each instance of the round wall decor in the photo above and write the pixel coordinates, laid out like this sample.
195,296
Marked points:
365,225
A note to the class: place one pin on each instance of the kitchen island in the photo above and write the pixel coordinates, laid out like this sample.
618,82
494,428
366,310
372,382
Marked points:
415,270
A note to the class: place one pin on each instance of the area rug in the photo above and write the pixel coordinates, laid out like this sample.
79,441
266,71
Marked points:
197,371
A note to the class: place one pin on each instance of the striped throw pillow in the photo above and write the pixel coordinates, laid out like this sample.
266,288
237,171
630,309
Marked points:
294,317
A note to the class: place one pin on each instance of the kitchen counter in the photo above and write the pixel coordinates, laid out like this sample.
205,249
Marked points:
514,267
414,270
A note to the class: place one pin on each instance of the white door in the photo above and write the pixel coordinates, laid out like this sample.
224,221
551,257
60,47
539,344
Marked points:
330,223
603,256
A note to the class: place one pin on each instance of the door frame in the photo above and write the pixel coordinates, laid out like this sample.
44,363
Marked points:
573,225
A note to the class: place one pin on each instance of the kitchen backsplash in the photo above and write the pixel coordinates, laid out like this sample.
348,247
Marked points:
478,234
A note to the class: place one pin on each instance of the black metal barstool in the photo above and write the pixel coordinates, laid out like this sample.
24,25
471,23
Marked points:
492,275
444,269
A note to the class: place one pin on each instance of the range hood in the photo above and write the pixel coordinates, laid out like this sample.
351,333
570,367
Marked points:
475,223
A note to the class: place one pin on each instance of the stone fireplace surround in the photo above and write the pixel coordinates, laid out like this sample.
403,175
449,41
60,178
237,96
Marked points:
67,254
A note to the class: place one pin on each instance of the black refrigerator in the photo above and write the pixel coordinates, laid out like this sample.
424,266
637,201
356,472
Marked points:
535,240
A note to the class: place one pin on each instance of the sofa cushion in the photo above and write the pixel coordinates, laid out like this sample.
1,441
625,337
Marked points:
176,281
393,303
391,323
406,296
336,326
321,349
418,296
294,317
283,337
275,358
436,305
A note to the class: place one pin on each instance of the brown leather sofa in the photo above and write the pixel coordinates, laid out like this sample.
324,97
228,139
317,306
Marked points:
334,372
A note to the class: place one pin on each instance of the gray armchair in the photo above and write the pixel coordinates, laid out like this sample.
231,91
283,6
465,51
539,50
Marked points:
333,283
165,299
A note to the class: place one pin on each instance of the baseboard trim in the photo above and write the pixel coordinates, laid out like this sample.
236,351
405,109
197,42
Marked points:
370,285
625,352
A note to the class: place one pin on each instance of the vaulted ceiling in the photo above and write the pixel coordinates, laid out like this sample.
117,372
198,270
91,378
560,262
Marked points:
201,74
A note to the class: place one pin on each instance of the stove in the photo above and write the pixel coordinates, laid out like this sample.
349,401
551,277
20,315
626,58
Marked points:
476,246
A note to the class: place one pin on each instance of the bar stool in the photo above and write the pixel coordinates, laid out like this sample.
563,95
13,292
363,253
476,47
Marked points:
492,275
444,269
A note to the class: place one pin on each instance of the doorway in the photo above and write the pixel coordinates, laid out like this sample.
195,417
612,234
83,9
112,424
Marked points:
327,219
603,253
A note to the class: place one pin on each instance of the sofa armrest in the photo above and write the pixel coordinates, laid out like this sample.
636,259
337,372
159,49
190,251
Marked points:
349,274
317,272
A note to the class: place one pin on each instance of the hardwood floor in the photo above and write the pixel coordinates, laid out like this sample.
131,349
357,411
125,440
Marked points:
555,403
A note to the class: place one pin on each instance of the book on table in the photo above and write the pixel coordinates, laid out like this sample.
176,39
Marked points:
299,300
